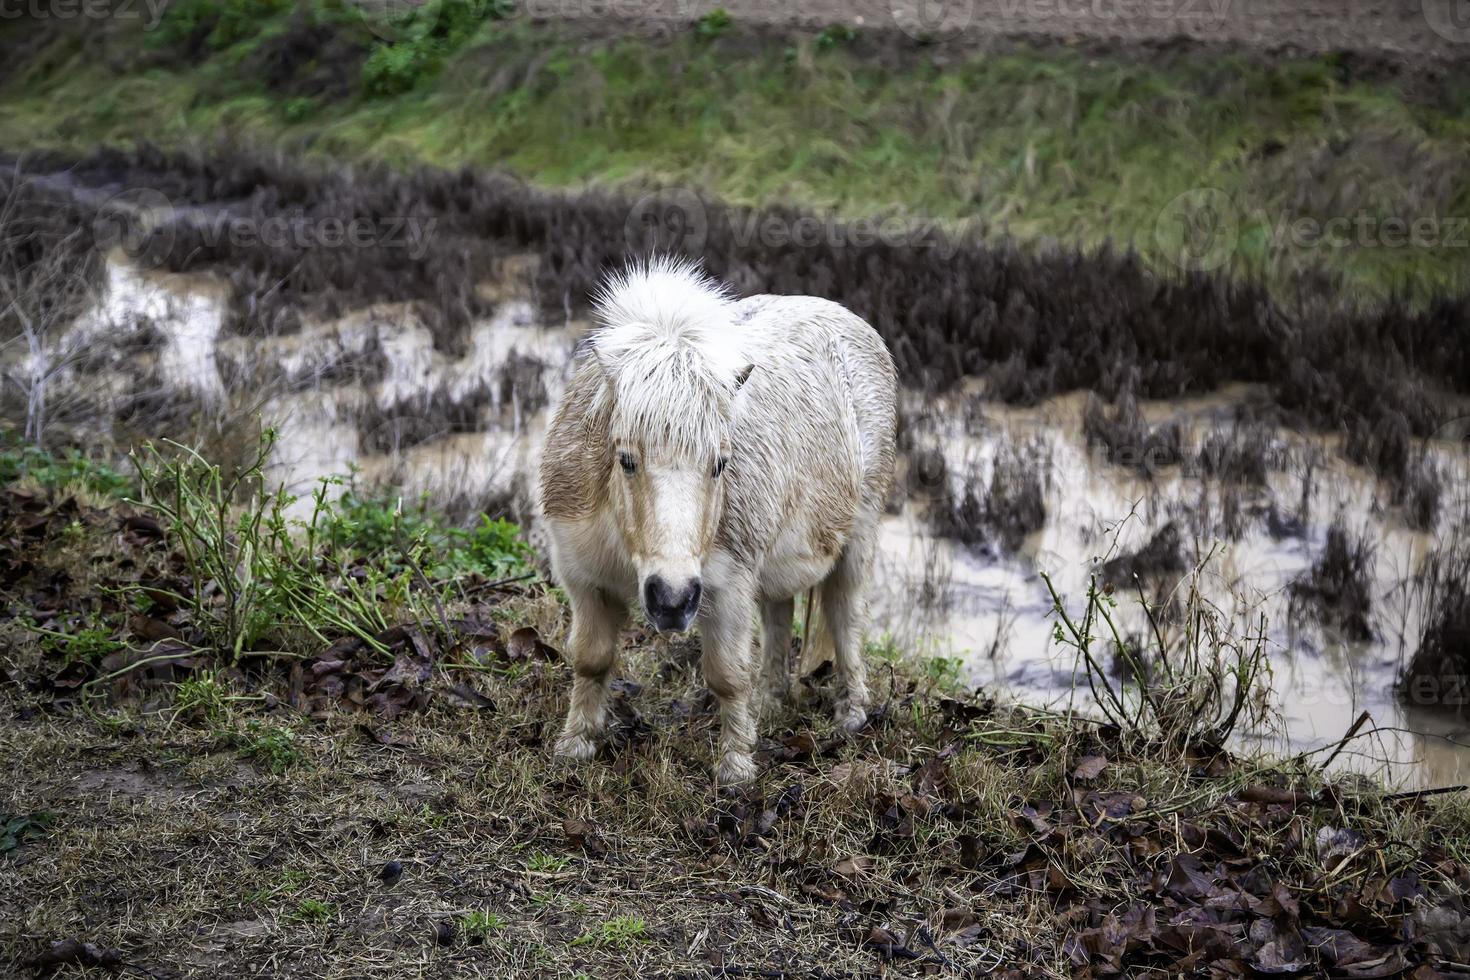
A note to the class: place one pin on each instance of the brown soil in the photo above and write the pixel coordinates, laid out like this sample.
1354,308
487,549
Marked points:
1408,29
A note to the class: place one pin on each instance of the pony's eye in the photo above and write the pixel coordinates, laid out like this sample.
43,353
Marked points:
627,462
720,466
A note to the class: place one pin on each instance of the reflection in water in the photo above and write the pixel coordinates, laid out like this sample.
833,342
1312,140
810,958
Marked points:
371,392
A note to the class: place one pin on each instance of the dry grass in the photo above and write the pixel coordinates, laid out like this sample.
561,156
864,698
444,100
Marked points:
201,819
224,846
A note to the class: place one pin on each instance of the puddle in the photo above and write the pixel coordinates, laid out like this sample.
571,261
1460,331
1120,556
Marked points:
370,392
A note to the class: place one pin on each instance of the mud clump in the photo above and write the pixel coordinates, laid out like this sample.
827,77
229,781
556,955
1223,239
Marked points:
1338,585
1245,453
1015,506
1420,494
1127,440
1438,674
405,425
1162,555
1004,510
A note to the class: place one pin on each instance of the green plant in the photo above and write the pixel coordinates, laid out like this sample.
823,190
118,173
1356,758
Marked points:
218,23
835,35
297,109
87,646
393,69
16,829
381,526
618,933
270,745
945,672
70,468
1189,679
479,924
253,569
427,35
202,696
713,24
547,862
221,542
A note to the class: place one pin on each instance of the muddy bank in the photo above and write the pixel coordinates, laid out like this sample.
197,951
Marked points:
1030,324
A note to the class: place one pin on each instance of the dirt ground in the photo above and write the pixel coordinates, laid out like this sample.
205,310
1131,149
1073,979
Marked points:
1411,29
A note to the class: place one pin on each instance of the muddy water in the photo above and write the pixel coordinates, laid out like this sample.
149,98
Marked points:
370,393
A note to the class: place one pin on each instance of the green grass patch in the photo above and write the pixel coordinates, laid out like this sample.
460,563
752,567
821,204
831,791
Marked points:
67,468
382,525
618,933
1044,145
273,747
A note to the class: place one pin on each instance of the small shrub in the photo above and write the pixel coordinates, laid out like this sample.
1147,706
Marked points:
203,697
834,36
222,543
88,646
1197,679
194,25
713,24
429,34
297,109
393,69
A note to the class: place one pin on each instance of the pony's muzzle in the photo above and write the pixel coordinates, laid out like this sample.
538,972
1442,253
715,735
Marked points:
669,608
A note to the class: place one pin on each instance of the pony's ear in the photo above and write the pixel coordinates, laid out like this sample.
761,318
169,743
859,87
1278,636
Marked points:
742,376
602,360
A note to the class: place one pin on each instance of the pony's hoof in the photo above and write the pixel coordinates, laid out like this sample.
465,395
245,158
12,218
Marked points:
579,748
852,719
777,693
772,701
736,769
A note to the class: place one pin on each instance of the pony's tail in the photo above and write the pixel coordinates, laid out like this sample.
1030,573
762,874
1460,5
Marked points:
816,638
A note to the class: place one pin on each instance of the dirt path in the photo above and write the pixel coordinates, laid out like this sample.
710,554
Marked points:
1411,29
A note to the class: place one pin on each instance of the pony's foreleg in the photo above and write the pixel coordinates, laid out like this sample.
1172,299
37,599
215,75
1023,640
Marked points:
726,625
593,644
843,602
776,651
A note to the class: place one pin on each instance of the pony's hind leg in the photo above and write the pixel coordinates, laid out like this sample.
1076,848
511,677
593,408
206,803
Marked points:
843,603
725,627
776,651
596,618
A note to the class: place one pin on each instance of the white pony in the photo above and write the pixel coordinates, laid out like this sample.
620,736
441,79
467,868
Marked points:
713,457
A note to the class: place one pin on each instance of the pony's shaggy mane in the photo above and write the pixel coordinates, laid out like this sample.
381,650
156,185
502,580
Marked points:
671,355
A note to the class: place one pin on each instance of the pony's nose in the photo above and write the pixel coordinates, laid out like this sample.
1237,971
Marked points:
670,609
